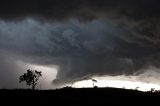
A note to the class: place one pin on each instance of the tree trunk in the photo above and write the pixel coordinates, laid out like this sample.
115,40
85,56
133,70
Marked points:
33,85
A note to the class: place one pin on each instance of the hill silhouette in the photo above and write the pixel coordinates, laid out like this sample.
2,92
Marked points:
80,95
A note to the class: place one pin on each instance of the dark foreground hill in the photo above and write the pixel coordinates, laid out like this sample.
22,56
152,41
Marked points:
80,96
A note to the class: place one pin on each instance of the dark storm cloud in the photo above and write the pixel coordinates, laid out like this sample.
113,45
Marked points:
84,38
80,50
62,9
141,16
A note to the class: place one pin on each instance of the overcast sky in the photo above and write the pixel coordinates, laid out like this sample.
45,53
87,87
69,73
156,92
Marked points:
79,39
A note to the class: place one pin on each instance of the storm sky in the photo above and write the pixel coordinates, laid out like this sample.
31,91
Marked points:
83,38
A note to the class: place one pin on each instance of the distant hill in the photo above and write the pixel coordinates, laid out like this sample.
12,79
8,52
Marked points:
80,95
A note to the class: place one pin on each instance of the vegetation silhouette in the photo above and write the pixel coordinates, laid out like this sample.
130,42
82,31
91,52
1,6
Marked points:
31,78
94,81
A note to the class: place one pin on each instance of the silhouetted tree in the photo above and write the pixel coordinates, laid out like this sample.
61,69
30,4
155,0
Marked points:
152,89
31,78
136,88
94,81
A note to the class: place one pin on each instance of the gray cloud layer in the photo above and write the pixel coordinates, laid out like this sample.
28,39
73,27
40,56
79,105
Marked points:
84,38
141,16
81,50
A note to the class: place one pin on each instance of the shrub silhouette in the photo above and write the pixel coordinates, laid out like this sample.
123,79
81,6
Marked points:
152,89
31,78
94,81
